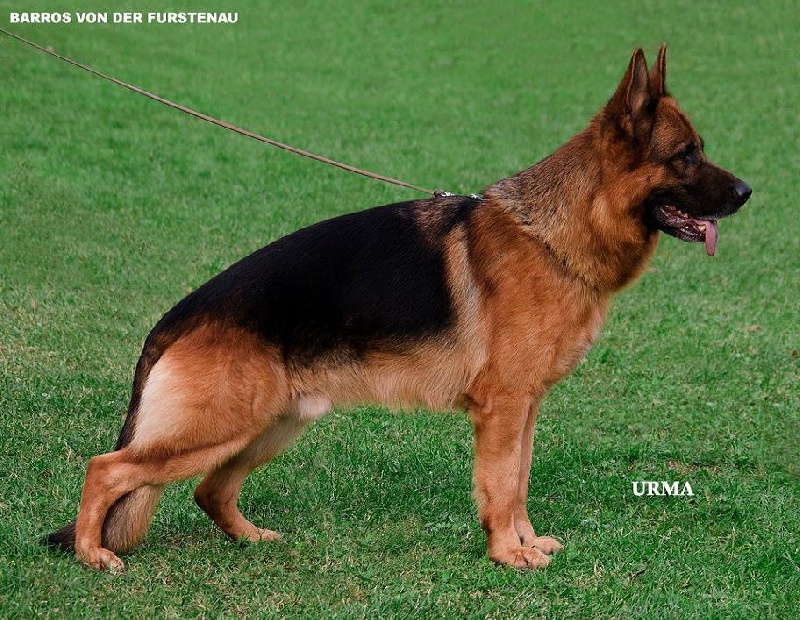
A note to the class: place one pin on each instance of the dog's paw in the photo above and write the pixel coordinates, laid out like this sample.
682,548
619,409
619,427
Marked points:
521,557
255,534
265,535
101,559
547,545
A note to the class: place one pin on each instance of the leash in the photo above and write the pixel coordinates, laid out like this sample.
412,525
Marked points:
221,123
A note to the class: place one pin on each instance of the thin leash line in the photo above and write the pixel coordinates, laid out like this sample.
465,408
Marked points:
218,122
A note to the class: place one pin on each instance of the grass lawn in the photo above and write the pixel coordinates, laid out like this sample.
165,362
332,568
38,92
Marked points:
112,207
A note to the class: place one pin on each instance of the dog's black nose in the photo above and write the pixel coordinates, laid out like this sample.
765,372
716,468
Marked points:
742,190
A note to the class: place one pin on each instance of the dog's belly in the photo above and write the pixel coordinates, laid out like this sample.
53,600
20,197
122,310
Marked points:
432,375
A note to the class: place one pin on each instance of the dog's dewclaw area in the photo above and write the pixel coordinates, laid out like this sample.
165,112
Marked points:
113,208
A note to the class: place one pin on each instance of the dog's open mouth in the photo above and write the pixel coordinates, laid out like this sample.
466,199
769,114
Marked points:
675,222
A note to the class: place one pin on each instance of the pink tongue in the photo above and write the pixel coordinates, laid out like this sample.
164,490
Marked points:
711,236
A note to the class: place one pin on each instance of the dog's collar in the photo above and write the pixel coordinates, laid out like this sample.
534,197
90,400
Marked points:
440,193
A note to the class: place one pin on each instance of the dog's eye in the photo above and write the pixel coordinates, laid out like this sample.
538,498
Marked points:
686,156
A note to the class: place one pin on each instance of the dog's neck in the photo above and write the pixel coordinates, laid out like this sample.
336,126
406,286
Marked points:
556,201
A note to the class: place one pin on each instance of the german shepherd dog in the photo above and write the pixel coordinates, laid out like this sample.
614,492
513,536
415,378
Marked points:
480,303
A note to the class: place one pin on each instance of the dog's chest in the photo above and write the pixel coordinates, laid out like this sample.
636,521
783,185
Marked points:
579,338
544,339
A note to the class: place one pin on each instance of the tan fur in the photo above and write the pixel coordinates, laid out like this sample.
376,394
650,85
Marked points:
530,279
216,381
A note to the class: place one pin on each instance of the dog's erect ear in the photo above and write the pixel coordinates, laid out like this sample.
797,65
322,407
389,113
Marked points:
658,74
630,104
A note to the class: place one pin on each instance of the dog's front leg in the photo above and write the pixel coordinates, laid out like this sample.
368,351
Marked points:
522,522
500,424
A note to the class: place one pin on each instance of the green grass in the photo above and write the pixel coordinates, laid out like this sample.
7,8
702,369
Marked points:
111,207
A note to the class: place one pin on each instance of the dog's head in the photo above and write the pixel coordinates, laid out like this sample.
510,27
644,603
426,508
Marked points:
686,193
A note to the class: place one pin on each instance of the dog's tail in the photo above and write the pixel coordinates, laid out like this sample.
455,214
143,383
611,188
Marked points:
129,517
125,525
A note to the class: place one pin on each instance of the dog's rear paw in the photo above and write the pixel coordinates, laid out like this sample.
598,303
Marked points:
521,557
547,545
253,534
101,559
264,535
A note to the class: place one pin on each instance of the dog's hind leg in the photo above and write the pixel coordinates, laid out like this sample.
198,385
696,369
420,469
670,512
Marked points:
108,478
218,493
522,522
112,476
208,398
